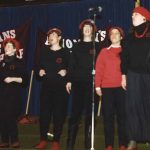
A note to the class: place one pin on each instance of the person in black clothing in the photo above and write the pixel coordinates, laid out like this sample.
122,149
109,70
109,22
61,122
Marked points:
13,77
108,85
136,78
80,82
53,103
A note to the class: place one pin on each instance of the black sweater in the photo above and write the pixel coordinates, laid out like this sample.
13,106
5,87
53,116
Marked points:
135,50
52,62
13,68
81,62
11,93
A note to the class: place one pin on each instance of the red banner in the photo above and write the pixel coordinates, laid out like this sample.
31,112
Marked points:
20,34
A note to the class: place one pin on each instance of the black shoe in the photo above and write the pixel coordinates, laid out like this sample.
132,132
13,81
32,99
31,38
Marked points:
69,147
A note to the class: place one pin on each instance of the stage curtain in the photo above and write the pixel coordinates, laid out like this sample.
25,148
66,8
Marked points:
67,17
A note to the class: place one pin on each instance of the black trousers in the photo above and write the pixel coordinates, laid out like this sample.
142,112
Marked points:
9,130
81,105
53,105
113,104
10,106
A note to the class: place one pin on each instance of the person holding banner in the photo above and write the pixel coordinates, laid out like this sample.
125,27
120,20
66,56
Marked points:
13,77
54,98
135,68
80,82
108,85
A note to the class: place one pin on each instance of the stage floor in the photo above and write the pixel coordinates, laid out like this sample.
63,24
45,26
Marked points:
29,136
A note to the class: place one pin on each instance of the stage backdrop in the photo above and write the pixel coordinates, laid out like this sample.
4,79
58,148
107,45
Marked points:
67,17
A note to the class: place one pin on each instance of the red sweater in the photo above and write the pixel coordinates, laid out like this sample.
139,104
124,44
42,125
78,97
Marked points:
108,72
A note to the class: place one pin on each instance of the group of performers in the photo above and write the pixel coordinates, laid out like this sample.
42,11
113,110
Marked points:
122,79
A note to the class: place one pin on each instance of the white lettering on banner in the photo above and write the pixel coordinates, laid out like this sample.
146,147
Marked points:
1,57
13,34
100,36
6,35
75,41
69,43
20,56
9,34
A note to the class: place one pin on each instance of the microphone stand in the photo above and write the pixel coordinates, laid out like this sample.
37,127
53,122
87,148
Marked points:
93,85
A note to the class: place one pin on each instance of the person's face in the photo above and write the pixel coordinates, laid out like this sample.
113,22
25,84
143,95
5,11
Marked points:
87,30
53,38
137,19
9,49
115,36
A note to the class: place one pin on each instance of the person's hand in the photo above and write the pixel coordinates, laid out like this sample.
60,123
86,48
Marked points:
62,72
124,82
68,87
8,80
42,73
99,91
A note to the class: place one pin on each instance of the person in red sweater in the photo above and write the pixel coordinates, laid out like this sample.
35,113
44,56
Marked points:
108,85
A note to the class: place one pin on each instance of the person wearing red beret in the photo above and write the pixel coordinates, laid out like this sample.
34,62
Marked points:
108,85
54,98
135,68
13,78
80,83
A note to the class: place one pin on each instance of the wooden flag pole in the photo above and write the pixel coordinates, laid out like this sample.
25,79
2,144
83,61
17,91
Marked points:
99,107
29,92
26,119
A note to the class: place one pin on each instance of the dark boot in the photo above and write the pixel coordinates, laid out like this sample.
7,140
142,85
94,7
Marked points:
72,133
87,137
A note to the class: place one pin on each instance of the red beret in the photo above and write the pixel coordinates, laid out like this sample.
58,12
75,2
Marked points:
87,22
119,29
56,30
13,41
143,11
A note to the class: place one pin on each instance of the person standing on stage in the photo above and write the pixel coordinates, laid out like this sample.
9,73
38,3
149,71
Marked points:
80,76
135,68
13,77
54,98
108,85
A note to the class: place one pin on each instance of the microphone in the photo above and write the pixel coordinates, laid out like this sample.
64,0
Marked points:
95,9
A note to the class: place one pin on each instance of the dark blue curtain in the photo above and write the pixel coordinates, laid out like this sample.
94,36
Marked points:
67,17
